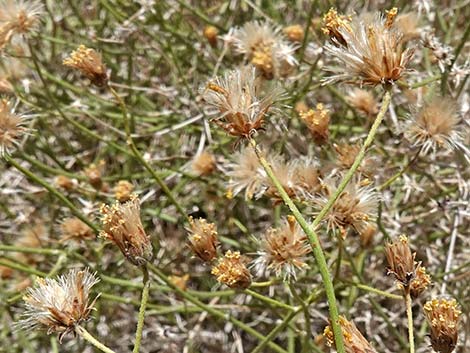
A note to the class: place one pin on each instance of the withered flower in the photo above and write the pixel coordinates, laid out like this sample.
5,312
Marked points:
363,101
179,281
283,249
203,163
94,173
58,305
295,33
443,316
11,126
203,239
317,121
420,282
354,341
74,228
232,271
369,52
346,154
334,24
122,225
401,261
64,182
240,106
89,63
210,33
123,191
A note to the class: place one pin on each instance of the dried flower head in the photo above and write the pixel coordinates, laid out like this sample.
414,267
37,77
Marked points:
18,17
12,71
11,126
355,208
180,281
203,239
74,228
90,64
210,33
334,24
408,24
94,173
122,225
123,190
363,101
64,182
401,261
443,316
265,47
231,270
203,163
346,154
420,282
317,121
295,33
283,250
354,341
436,125
246,173
370,51
238,102
58,305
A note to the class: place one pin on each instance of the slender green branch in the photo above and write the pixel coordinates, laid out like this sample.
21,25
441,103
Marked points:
409,315
268,300
21,267
143,305
357,162
88,337
374,290
316,247
53,191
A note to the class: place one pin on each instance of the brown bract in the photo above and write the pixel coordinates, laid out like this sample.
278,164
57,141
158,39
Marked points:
11,126
122,225
401,261
354,341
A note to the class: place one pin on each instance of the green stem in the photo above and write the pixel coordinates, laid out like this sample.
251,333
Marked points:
357,162
53,191
143,305
22,268
88,337
401,172
268,300
214,312
374,290
141,159
409,315
316,247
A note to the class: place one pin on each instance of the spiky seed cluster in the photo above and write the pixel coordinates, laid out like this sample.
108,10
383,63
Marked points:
363,101
203,163
122,225
354,341
401,261
264,46
370,52
18,17
123,191
283,249
420,282
58,305
355,208
443,316
89,63
231,270
74,228
239,104
11,126
202,237
317,121
435,126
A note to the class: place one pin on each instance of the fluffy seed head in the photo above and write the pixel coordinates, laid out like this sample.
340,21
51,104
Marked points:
401,261
436,125
123,191
283,250
57,305
11,126
443,316
203,163
295,33
231,270
317,121
369,52
265,47
74,228
89,63
346,153
202,237
238,102
364,101
122,225
354,341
